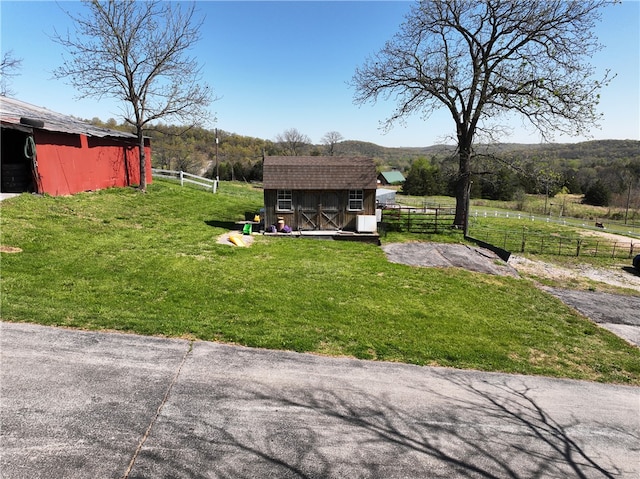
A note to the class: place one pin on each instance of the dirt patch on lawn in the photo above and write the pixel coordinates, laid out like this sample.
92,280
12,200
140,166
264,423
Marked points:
582,276
9,249
245,240
613,237
621,276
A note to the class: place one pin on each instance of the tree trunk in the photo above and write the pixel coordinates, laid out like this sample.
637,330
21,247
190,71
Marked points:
463,189
143,161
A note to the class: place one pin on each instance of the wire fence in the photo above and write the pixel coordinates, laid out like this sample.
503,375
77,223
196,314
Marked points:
552,244
417,220
616,227
434,218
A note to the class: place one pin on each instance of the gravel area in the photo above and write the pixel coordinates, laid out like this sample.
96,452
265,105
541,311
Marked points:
622,276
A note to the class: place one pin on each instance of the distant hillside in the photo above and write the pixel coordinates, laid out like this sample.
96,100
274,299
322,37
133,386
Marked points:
590,153
193,150
400,158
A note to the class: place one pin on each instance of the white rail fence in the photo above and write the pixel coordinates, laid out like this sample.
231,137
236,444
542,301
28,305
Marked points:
184,177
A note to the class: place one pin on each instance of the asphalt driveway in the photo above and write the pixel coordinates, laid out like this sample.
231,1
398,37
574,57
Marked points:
98,405
617,313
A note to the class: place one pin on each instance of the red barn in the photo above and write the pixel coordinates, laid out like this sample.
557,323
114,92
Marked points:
47,152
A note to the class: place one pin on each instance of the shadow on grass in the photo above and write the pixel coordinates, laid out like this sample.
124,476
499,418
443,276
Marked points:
227,225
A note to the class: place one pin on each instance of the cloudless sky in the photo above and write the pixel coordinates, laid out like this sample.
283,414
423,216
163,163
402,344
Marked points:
281,65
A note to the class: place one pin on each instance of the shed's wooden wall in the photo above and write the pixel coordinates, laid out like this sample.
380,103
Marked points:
318,209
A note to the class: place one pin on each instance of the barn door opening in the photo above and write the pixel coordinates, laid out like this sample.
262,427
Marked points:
16,157
308,220
308,211
329,212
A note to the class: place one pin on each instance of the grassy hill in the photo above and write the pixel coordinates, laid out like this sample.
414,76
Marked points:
151,264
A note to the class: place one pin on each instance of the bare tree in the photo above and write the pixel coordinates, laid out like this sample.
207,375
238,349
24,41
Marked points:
138,52
8,66
480,60
330,140
292,141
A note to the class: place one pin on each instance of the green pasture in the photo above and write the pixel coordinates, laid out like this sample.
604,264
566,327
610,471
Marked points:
151,264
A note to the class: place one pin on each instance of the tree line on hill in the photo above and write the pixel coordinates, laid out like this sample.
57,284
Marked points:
611,182
607,172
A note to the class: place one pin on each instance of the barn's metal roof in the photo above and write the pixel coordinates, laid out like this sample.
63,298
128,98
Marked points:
393,176
318,173
12,111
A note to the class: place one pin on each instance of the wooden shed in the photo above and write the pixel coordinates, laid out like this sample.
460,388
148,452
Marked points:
319,193
48,152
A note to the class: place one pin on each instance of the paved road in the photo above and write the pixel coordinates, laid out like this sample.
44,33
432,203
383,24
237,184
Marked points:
98,405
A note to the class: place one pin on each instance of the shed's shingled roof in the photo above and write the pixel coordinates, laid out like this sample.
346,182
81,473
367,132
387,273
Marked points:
11,110
319,173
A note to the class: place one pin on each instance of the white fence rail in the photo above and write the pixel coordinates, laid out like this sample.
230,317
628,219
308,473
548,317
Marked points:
184,177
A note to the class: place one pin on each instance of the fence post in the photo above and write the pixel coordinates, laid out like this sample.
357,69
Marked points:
523,240
181,178
631,250
578,247
613,252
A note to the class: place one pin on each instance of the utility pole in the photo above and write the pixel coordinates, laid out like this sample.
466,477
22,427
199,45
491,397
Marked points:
217,166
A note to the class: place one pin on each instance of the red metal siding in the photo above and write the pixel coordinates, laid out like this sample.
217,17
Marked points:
69,164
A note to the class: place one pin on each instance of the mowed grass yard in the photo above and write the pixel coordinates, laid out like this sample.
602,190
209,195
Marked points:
150,264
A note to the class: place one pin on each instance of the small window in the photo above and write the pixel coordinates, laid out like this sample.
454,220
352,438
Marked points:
284,200
356,200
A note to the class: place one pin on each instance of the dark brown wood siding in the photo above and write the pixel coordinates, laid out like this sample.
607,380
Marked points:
324,210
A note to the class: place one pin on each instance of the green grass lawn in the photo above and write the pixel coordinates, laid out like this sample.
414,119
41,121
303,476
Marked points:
149,264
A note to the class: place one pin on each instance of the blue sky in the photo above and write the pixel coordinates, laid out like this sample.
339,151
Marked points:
280,65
